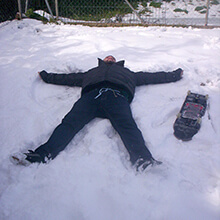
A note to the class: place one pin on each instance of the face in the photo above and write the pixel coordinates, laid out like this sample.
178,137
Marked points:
109,59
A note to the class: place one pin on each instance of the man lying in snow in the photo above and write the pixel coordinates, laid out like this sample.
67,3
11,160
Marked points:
107,91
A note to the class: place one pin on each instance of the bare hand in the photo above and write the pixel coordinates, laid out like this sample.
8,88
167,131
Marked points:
181,74
39,75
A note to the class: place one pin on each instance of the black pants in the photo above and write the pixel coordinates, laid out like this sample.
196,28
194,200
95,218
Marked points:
110,105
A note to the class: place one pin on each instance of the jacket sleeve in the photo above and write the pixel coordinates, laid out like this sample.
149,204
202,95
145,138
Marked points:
144,78
71,79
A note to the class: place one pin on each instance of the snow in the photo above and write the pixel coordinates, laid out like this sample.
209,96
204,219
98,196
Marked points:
92,178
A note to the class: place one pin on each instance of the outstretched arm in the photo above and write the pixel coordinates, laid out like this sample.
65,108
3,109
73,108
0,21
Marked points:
71,79
144,78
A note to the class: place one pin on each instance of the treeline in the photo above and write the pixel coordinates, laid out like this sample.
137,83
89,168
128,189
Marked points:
85,9
76,9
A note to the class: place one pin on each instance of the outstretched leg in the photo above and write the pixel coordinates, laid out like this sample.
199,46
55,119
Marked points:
118,111
83,111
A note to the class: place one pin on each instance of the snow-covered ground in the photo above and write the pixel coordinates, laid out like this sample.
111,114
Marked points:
92,179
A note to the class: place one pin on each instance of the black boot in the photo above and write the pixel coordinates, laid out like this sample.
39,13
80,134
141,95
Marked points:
34,157
141,164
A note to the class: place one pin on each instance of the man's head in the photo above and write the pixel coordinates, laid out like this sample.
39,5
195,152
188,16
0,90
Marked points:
109,59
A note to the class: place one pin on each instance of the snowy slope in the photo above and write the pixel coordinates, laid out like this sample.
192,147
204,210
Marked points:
92,178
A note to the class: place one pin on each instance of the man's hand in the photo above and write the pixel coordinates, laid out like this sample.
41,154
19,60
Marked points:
39,75
179,71
181,74
43,75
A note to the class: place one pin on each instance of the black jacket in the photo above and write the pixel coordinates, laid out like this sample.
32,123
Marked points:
115,74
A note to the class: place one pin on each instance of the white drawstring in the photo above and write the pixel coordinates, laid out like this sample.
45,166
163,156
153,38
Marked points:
116,92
